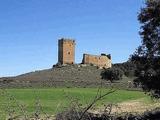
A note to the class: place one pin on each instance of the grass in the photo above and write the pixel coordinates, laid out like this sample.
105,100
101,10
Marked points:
54,100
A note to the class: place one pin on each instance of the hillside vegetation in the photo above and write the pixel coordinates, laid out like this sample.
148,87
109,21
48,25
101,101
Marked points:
63,76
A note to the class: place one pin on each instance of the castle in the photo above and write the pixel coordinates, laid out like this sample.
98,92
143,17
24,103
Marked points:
66,55
66,51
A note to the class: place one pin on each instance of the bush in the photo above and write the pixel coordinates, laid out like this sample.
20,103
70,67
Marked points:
150,81
128,68
112,74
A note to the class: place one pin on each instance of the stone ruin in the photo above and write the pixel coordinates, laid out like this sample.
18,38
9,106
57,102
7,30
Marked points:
102,61
66,55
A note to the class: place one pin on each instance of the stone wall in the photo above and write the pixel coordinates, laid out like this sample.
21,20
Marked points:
102,61
66,55
66,51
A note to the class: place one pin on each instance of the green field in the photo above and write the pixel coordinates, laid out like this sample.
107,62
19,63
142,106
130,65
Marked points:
53,100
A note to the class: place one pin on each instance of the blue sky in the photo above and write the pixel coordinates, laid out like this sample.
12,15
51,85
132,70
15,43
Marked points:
29,30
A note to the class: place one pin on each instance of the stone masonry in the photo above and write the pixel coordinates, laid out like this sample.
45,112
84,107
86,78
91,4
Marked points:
102,61
66,55
66,51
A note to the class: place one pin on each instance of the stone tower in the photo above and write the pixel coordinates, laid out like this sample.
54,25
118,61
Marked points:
66,51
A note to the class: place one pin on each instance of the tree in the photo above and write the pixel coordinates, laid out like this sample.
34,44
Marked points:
128,68
147,56
112,74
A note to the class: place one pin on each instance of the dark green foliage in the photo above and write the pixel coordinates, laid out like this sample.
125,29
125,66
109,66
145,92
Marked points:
149,78
147,56
149,17
112,74
128,68
118,70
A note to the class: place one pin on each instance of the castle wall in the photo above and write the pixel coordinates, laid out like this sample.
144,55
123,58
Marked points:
102,61
66,51
66,55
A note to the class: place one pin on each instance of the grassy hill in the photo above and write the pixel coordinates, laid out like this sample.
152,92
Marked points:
62,76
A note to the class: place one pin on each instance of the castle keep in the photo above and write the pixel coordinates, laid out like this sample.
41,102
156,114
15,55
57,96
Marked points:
66,55
66,51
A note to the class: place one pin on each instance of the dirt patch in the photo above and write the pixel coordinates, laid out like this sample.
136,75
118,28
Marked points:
137,106
132,106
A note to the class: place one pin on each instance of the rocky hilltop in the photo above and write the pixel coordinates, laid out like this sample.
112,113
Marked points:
76,75
68,76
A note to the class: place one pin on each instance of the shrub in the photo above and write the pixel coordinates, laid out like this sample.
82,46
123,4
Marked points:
128,68
112,74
